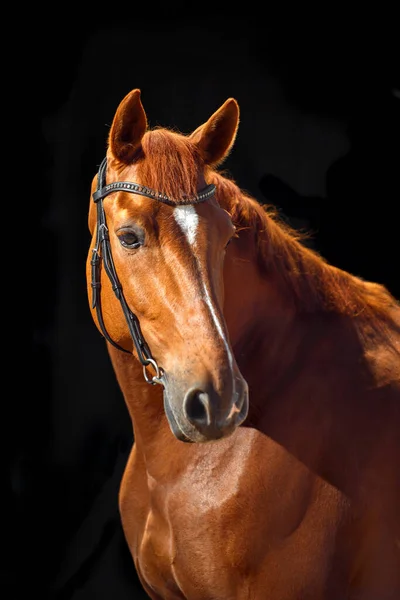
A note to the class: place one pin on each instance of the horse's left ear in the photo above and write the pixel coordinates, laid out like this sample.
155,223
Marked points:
216,137
128,127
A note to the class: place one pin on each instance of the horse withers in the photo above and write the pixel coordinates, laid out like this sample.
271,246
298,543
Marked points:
263,384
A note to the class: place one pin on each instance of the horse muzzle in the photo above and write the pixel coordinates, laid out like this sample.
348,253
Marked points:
200,413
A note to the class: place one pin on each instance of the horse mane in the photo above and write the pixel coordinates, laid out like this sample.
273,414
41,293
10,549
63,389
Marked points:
312,283
172,165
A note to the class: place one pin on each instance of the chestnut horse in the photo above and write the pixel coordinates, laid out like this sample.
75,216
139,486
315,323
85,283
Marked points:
263,384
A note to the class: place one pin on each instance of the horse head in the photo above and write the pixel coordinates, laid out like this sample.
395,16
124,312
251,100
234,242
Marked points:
167,243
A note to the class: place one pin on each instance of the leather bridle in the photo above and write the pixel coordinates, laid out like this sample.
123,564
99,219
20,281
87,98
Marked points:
102,250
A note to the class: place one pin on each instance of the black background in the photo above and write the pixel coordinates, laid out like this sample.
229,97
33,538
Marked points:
319,137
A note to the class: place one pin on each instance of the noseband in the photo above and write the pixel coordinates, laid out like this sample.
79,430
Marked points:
102,250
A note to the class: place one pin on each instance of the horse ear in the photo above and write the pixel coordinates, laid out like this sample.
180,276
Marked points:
128,127
216,137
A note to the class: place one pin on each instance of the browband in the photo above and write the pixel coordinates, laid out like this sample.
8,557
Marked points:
142,190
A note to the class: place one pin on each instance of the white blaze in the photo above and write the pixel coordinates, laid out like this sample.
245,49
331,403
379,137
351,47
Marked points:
188,220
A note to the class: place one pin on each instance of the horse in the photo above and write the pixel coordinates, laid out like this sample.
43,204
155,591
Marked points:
262,382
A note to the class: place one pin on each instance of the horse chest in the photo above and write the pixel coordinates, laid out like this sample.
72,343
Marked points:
210,535
176,532
202,549
180,554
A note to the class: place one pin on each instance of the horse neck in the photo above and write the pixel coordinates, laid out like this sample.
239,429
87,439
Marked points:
279,292
143,401
301,343
282,302
260,317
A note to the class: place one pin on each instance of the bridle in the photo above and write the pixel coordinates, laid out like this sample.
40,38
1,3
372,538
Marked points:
102,250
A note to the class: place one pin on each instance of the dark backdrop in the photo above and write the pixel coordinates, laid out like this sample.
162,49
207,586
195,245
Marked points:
319,137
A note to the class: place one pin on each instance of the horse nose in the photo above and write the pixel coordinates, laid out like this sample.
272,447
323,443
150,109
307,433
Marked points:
197,408
204,412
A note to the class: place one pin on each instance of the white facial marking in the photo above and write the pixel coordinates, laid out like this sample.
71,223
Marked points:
217,323
188,220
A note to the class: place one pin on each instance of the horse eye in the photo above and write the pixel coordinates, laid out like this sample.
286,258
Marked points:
128,239
234,235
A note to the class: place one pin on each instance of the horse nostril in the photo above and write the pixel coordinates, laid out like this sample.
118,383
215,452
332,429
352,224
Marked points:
196,406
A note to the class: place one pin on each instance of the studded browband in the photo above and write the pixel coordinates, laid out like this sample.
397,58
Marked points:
142,190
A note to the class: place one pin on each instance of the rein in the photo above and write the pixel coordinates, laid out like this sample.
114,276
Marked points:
102,251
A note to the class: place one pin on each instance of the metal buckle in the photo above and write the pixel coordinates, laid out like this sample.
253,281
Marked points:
157,377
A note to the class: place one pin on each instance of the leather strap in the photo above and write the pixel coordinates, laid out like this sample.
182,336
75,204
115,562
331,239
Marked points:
142,190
